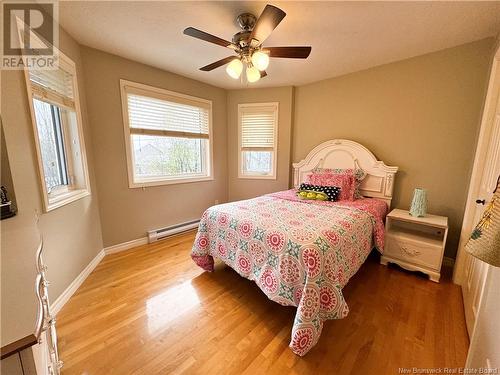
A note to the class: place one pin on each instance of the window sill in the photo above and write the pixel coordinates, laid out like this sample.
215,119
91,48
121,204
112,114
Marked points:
256,177
66,198
145,183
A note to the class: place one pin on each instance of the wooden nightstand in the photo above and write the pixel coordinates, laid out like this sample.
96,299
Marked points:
415,243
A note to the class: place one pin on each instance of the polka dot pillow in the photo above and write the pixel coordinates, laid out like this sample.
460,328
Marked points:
332,192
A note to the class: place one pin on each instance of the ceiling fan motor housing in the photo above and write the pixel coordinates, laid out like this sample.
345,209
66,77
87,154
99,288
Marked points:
247,23
242,38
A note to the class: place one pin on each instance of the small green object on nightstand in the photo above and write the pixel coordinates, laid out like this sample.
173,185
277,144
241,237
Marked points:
419,203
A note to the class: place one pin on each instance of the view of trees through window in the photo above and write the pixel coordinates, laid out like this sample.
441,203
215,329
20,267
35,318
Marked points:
257,162
167,156
50,135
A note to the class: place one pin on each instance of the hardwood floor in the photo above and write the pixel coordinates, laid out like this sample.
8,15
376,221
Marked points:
151,310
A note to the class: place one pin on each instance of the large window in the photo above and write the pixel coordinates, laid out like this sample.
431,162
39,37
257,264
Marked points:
167,136
58,133
258,133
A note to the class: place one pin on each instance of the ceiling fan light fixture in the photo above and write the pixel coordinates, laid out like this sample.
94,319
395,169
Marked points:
248,45
260,60
253,74
235,68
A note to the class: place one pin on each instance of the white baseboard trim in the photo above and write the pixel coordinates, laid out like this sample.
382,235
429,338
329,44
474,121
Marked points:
75,284
125,245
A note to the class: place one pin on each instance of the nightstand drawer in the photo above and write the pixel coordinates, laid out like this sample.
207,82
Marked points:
413,252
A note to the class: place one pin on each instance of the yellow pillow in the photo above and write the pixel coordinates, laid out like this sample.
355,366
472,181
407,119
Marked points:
312,195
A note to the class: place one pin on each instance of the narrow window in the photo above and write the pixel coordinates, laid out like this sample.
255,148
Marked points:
50,135
58,133
258,125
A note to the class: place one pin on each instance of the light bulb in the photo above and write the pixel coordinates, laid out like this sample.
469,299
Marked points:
234,68
260,60
253,74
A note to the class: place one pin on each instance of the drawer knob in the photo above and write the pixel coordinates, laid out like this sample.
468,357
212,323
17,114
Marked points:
409,251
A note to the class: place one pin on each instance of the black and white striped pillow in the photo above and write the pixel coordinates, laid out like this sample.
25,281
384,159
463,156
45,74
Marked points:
333,192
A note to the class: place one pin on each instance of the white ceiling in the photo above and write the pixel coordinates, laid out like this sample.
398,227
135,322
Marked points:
345,36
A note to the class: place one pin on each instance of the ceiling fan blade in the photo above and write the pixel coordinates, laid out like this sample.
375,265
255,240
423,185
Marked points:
195,33
288,52
216,64
263,74
267,22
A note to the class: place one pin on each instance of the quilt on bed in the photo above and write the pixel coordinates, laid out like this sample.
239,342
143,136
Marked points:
299,252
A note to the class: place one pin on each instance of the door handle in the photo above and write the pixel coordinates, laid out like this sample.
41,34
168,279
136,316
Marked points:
481,201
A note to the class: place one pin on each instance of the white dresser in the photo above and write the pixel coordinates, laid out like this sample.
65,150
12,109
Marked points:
415,243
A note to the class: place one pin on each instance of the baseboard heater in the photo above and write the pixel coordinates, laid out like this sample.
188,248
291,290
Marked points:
161,233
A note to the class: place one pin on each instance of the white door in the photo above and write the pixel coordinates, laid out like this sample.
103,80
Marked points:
475,269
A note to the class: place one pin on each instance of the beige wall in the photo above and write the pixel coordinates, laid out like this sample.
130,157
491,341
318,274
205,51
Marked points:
72,233
248,188
127,214
421,114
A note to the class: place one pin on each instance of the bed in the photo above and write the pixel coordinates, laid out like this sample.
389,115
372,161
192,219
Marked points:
302,252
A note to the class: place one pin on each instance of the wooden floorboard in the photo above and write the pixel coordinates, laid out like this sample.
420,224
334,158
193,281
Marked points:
151,310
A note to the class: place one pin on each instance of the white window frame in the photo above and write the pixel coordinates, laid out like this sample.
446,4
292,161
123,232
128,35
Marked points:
159,93
63,195
274,156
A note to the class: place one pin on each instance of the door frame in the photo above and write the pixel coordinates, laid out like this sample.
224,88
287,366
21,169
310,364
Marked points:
479,160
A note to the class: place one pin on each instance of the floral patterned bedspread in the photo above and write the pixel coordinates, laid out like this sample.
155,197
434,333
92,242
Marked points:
299,252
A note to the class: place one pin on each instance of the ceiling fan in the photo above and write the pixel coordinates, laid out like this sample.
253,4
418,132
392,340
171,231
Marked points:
247,44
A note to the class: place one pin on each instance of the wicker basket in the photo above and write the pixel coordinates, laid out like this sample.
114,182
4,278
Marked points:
484,242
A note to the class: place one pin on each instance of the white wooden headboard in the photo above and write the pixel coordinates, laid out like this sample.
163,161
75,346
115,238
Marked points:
342,153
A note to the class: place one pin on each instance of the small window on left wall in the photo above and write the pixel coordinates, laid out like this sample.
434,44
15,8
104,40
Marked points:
57,127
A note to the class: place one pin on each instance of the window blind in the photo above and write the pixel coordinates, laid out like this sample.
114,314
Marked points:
258,128
155,116
55,86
